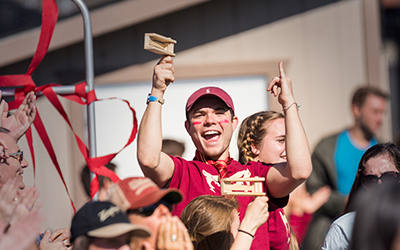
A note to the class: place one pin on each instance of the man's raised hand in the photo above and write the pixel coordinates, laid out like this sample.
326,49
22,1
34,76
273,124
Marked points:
163,73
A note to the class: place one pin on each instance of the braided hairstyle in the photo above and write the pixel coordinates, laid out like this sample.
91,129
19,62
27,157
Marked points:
252,132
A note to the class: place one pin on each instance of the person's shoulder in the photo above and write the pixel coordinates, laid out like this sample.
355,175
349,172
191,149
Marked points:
347,218
328,141
339,232
331,137
345,223
179,161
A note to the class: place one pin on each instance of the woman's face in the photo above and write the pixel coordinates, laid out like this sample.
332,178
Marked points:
379,165
272,148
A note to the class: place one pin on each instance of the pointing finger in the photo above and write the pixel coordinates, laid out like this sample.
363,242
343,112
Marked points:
281,71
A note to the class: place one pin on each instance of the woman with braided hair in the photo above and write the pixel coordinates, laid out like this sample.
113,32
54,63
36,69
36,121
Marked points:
252,132
278,139
266,128
262,137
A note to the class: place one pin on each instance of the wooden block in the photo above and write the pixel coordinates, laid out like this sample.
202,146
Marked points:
238,189
159,44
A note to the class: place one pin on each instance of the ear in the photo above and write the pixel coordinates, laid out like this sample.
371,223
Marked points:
235,122
187,126
355,109
255,150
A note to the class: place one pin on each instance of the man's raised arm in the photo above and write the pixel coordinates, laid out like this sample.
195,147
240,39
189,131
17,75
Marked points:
155,164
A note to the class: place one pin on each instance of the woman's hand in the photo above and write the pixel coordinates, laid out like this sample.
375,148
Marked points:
256,215
285,95
173,235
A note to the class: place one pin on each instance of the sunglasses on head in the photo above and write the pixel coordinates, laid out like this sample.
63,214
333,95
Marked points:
149,210
372,180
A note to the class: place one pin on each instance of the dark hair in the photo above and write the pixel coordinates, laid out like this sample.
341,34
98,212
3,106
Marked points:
173,147
389,149
82,243
377,222
360,95
85,177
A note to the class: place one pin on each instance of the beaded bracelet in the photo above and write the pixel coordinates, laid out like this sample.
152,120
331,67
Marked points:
242,231
288,107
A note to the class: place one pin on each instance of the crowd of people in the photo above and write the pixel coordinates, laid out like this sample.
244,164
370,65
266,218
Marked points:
178,205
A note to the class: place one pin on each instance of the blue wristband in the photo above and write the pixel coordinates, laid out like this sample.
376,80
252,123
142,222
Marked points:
151,98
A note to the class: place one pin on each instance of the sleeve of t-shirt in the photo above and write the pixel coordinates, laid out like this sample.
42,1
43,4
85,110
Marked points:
274,203
178,170
335,239
299,225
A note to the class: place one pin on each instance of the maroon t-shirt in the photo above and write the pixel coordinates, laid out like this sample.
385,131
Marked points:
279,230
195,178
299,225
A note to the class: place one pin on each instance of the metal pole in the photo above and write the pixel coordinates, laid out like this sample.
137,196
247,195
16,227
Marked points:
61,90
89,79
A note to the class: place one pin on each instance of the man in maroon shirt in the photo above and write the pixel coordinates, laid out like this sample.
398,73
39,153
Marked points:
210,123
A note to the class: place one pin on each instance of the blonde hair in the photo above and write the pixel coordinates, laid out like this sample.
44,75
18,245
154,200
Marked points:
252,132
208,214
294,244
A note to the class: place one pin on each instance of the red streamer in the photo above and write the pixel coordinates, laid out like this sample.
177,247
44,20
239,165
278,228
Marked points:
95,164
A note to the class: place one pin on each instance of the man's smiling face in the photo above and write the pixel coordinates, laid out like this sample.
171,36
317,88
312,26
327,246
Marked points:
211,127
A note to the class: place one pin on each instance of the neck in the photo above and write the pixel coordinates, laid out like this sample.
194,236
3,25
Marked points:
221,157
361,136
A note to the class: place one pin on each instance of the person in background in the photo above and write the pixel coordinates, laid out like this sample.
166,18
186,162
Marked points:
377,223
146,204
12,165
213,222
380,164
173,147
20,221
301,208
101,225
104,182
335,159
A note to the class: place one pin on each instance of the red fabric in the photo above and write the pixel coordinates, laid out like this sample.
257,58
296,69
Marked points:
299,225
221,165
96,164
195,178
279,230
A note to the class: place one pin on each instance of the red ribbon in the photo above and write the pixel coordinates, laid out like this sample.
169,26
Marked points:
95,164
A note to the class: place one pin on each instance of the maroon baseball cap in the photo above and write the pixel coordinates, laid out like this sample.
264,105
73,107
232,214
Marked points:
137,192
210,91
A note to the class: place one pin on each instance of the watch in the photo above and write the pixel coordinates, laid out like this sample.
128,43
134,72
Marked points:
151,98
